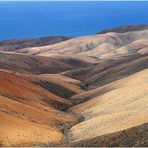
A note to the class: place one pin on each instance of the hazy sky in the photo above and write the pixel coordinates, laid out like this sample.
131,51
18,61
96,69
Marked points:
73,0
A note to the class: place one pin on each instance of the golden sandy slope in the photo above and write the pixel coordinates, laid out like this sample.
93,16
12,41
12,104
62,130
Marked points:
123,107
18,132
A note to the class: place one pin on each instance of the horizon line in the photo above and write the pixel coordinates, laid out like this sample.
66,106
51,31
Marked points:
73,1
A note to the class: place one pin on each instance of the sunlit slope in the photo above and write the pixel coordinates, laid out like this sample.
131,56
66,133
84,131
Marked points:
86,91
18,132
30,114
121,108
131,137
102,45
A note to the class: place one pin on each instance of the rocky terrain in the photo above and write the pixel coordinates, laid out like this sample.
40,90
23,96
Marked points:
85,91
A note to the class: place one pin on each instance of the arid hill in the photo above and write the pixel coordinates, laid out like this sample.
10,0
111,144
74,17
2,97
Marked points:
13,45
41,65
123,107
35,112
102,45
86,91
123,29
107,71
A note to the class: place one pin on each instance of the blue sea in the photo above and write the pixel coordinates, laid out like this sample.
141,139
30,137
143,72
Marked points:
38,19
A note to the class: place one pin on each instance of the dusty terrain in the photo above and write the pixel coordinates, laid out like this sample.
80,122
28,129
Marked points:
85,91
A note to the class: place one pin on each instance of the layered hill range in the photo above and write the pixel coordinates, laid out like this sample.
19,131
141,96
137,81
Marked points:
84,91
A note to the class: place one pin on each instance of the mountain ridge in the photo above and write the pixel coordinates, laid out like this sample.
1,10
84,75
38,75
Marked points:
125,28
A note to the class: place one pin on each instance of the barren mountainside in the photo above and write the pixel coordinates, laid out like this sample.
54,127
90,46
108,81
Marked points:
85,91
102,46
12,45
128,28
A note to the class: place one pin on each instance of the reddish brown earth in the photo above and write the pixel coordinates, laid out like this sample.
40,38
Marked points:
32,108
86,91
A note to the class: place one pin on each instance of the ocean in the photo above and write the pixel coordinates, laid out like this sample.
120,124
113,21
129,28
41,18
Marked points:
38,19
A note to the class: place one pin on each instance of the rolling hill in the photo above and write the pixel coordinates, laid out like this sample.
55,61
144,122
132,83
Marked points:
85,91
123,29
30,107
13,45
22,63
118,109
102,45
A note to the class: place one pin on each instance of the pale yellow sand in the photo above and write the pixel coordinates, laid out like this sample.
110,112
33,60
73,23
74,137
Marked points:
116,110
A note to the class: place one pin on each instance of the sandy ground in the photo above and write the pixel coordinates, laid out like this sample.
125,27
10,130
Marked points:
17,132
118,109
